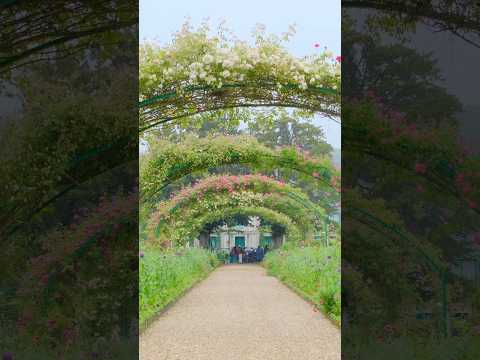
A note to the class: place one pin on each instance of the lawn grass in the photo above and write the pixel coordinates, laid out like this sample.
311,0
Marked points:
164,277
312,271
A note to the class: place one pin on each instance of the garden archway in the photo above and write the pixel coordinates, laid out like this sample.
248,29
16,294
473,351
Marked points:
175,225
198,73
193,226
228,184
173,161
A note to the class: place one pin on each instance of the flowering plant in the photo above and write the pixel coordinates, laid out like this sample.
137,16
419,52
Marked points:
183,223
172,161
99,241
198,72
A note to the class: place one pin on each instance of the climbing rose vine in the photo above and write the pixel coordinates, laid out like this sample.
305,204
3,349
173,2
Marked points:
195,58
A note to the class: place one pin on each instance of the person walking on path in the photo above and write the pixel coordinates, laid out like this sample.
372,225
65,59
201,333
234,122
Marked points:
259,253
234,255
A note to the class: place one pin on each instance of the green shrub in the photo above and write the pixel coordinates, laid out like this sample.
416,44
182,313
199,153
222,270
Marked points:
313,271
164,276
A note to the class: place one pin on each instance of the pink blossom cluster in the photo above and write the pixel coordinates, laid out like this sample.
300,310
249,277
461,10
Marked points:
109,214
219,183
396,128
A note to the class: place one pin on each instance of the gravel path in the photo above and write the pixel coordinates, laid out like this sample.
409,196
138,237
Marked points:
240,313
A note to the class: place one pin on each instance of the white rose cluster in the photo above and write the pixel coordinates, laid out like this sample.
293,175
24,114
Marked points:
197,60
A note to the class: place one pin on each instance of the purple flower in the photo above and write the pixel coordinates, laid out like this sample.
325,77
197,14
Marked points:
7,356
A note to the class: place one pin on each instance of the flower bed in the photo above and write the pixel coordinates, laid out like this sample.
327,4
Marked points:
314,272
164,277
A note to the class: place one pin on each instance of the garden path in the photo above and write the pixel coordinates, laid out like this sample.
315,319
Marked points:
239,312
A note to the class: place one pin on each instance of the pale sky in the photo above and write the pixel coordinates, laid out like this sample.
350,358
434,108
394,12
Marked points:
316,22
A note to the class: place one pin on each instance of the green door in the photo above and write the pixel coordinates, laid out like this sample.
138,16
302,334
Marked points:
240,241
214,242
266,240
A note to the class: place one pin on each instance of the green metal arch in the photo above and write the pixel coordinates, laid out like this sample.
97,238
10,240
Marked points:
161,108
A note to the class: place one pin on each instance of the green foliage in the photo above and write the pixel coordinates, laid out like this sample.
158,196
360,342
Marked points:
314,271
164,276
96,25
49,149
169,161
179,216
399,74
387,346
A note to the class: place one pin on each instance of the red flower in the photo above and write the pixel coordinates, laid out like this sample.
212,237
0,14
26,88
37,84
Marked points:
472,204
338,58
420,168
460,178
44,279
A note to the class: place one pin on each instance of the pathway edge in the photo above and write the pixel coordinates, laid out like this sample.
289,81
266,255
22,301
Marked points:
167,307
305,297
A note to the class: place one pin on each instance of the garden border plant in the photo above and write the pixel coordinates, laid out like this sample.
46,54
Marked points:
166,276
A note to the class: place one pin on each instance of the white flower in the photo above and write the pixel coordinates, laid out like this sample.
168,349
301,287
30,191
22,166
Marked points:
209,79
226,73
208,59
228,63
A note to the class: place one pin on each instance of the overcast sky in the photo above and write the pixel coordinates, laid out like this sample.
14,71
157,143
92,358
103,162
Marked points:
316,22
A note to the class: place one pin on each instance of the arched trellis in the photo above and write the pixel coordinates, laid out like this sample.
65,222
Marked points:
271,77
174,161
357,211
165,107
434,158
227,184
177,225
197,73
292,230
107,229
408,148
